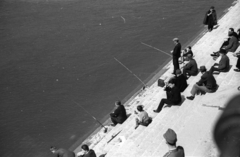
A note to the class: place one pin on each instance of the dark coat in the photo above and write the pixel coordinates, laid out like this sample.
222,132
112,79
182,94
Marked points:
192,66
174,95
180,82
64,153
179,152
120,114
211,19
90,153
177,51
208,80
232,45
224,64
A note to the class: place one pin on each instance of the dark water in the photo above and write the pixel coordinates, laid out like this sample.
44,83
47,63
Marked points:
53,51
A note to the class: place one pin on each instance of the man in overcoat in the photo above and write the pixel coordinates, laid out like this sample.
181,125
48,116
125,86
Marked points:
176,53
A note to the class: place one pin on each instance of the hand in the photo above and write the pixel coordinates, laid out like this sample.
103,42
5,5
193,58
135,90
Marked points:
171,51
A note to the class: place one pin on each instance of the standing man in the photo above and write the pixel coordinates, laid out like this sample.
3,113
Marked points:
171,140
62,152
210,18
176,53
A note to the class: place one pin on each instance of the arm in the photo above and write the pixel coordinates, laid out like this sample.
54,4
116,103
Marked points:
202,80
222,63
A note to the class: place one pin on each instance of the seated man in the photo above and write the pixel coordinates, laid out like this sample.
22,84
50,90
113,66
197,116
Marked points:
119,115
173,97
87,152
207,83
190,69
62,152
179,80
223,65
230,45
143,118
186,52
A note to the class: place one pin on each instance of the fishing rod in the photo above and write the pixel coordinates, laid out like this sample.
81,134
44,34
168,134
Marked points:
105,129
156,48
131,72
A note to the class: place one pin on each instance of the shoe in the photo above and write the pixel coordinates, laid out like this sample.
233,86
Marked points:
167,106
215,55
190,97
113,124
237,70
155,111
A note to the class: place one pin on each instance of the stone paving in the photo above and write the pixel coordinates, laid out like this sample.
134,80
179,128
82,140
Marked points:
193,121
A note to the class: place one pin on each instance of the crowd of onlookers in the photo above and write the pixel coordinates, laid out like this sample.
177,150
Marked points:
177,84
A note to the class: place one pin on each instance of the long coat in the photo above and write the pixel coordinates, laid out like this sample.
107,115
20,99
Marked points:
212,19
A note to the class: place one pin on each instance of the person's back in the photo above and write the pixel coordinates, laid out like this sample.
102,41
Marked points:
181,82
143,116
209,80
224,64
233,44
192,66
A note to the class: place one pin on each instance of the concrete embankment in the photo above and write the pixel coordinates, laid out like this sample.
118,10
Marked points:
193,121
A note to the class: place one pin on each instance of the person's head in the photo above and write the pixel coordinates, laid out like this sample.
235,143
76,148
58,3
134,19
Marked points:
222,52
117,103
189,48
140,108
212,8
170,137
52,149
178,72
203,69
230,31
85,148
176,40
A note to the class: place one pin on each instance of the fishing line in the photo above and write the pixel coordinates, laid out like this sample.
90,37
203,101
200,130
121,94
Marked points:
130,71
105,129
156,49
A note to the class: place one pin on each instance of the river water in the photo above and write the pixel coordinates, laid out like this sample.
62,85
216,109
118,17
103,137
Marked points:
56,51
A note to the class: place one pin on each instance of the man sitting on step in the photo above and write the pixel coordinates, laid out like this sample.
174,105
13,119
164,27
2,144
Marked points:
191,68
223,65
143,118
179,80
173,97
207,84
171,140
119,115
230,45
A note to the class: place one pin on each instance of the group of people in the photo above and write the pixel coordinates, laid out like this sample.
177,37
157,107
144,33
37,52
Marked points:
176,85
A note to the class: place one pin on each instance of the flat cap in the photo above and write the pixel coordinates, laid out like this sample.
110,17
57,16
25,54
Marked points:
175,39
170,136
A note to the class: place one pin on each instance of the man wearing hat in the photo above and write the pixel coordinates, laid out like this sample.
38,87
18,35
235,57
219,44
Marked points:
191,68
223,65
171,140
176,53
207,84
179,80
173,97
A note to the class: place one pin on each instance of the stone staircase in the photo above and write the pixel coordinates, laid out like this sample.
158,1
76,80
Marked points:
192,121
